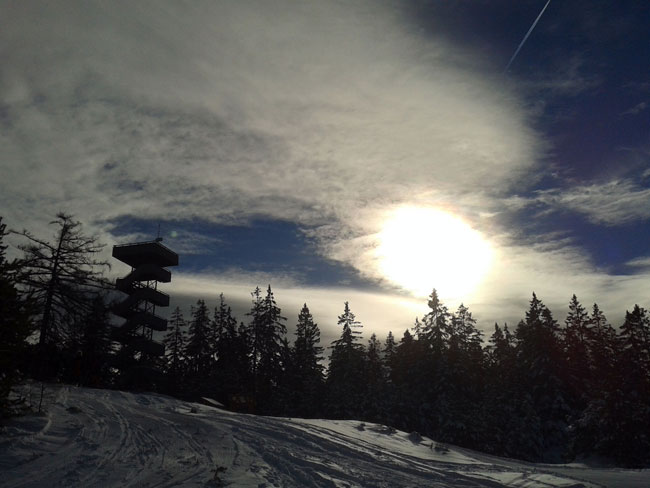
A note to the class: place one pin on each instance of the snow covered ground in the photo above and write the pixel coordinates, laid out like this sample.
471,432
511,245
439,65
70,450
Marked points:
110,438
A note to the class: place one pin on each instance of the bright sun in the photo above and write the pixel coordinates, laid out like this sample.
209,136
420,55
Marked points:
423,248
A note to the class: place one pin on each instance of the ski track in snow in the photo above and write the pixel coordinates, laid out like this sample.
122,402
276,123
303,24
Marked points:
112,438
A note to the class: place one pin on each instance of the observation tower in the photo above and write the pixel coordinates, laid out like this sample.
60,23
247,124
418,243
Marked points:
148,261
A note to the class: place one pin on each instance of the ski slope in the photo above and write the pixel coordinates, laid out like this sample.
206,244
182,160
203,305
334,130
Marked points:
110,438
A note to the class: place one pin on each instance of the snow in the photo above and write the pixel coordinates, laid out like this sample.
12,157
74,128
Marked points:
110,438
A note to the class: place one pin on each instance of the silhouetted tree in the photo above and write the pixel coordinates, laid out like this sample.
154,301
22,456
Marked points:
306,371
15,327
175,341
266,333
376,382
540,363
198,351
60,275
231,372
575,341
345,380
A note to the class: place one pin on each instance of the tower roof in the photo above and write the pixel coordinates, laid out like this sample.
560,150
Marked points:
151,252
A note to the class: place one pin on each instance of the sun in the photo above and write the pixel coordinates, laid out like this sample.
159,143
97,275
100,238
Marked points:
421,248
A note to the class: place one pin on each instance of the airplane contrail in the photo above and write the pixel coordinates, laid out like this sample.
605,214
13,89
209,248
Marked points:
521,44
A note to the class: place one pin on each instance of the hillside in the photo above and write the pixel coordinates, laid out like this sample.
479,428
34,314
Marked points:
110,438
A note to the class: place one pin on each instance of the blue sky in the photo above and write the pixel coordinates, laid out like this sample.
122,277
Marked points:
271,141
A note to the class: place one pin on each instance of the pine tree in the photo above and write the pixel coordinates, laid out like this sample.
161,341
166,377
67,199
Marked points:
375,407
540,363
345,379
603,352
198,349
15,328
95,344
502,394
409,378
629,404
435,325
576,336
266,332
616,422
390,348
307,372
463,389
231,376
433,340
175,343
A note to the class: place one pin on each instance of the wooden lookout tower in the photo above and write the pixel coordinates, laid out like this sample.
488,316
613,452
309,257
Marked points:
148,261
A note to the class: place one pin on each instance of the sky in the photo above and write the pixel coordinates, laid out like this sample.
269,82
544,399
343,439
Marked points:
361,151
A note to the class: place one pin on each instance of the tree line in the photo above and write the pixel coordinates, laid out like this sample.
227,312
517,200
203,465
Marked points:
543,391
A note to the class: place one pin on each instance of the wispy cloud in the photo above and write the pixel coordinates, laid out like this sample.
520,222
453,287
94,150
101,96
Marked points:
612,203
308,113
637,109
326,114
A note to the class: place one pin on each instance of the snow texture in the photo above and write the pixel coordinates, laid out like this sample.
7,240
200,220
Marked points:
110,438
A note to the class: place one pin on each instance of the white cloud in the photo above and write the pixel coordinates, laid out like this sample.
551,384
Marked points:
326,114
315,113
614,202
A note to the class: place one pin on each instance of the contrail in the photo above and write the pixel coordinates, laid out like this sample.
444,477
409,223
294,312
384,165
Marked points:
521,44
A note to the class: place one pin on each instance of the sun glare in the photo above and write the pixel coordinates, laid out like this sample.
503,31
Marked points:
423,248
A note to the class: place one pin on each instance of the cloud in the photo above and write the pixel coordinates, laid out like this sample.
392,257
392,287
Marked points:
640,262
326,114
612,203
637,109
322,114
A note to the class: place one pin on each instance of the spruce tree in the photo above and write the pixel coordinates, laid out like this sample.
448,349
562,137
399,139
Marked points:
174,342
307,372
198,349
502,393
434,329
95,344
603,352
375,407
15,328
409,379
576,335
230,375
540,364
345,379
266,334
460,424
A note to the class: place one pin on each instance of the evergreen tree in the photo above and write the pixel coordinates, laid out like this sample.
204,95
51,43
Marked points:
375,406
95,345
266,333
540,363
345,379
390,348
628,406
434,329
231,370
307,372
198,349
603,352
576,335
409,376
175,343
15,328
461,424
502,394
